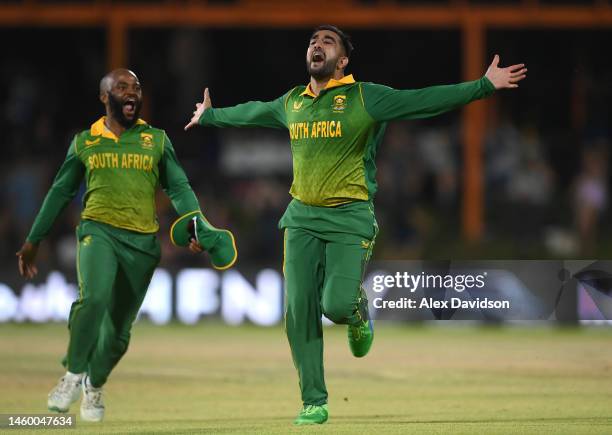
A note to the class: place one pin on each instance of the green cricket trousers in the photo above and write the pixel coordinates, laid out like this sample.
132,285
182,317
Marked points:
114,269
326,250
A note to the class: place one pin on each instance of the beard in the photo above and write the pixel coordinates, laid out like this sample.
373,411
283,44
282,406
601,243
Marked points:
116,110
325,71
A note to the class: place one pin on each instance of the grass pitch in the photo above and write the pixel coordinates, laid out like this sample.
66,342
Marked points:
213,378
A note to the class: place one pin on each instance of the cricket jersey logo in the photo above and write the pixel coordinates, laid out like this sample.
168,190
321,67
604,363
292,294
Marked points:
146,140
339,103
89,143
86,240
297,105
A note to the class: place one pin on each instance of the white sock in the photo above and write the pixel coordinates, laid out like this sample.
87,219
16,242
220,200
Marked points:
88,384
71,375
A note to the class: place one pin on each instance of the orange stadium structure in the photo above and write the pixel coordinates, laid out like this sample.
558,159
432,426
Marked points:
472,20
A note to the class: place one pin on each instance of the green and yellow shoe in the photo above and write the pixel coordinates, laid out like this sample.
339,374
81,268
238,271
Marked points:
361,338
219,243
312,414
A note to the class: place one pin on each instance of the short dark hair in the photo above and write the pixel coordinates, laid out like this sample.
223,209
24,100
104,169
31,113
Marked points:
344,38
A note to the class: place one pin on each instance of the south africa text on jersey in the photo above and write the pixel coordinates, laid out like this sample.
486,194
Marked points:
315,130
142,162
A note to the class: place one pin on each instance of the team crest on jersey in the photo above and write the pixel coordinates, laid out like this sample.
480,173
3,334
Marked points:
339,103
146,140
297,105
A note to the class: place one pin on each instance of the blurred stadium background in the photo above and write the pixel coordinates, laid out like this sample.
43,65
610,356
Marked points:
523,175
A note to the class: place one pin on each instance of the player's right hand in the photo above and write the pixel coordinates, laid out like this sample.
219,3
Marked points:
26,257
200,108
195,247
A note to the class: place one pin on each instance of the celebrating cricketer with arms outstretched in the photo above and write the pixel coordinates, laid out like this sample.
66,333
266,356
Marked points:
122,160
336,125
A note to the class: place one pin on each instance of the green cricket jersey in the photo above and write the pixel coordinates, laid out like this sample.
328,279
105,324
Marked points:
335,136
121,176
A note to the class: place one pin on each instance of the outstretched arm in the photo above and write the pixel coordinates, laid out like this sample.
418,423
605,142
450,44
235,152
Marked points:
63,190
384,103
252,114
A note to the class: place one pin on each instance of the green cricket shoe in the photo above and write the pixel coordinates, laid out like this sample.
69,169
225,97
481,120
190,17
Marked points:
312,414
361,338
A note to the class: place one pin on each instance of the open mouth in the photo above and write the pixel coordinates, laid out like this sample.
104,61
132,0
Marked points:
129,107
317,57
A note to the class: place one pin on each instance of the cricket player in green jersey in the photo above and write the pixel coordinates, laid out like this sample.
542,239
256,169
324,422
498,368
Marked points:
336,125
122,160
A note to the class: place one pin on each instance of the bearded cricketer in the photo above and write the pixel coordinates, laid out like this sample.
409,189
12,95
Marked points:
122,160
335,126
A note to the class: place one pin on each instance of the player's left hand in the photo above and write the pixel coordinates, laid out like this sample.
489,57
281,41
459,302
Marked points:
200,108
505,78
195,247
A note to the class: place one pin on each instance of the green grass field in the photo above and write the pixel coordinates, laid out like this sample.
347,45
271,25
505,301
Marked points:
219,379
